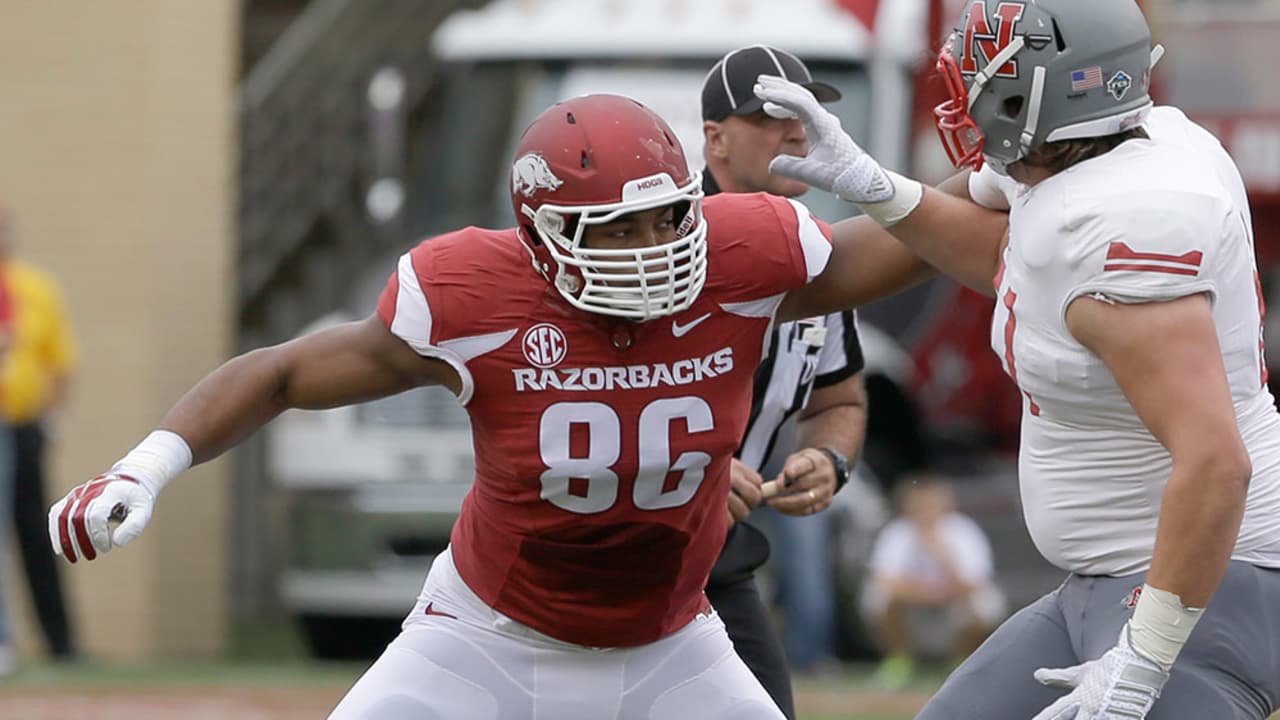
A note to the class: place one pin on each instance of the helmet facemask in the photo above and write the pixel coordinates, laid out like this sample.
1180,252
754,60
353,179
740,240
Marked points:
634,283
963,140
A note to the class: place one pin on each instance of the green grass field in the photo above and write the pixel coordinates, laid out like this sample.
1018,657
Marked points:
272,679
294,690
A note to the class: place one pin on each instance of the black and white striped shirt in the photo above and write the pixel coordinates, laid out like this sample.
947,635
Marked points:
802,355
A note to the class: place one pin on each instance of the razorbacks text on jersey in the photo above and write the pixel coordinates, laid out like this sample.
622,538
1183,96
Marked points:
1151,220
602,445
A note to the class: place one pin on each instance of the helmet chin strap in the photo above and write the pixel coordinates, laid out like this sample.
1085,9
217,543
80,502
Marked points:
1033,108
1037,91
540,267
567,282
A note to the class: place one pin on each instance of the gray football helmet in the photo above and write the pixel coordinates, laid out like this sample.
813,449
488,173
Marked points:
1023,73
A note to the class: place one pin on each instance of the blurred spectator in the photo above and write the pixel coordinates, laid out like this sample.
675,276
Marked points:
932,590
812,373
36,368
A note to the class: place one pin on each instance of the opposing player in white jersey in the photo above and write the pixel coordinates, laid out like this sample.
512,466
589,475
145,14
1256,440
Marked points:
1129,314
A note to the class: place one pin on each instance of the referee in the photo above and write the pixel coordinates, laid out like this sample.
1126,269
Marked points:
813,371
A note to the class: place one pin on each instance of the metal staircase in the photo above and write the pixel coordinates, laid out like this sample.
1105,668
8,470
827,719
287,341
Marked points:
305,155
309,152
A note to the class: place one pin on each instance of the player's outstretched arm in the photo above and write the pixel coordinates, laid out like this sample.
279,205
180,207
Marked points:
349,363
944,229
345,364
1152,349
869,262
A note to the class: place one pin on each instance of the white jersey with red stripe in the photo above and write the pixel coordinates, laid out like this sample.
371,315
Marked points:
1152,220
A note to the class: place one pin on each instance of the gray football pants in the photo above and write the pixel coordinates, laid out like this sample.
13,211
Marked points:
1229,669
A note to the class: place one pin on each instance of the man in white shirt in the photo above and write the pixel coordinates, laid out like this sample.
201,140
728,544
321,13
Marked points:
932,589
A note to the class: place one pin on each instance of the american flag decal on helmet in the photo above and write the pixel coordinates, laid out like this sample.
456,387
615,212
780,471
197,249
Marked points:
1086,79
1122,257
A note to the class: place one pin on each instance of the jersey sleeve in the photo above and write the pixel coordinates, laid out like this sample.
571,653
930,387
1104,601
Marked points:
992,190
403,305
1153,252
841,355
811,235
764,245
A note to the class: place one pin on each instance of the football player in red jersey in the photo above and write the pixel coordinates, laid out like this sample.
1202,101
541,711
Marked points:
605,350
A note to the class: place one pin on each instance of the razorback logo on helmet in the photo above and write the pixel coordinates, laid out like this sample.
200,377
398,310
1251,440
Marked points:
531,173
979,38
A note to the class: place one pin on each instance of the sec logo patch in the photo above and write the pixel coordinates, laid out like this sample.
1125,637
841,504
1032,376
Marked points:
544,345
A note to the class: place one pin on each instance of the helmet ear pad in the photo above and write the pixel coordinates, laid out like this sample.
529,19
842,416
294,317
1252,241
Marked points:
1011,108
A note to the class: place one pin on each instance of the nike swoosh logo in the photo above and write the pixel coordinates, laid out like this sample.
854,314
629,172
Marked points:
431,611
681,330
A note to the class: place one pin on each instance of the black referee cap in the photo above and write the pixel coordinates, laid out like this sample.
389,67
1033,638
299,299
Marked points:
728,87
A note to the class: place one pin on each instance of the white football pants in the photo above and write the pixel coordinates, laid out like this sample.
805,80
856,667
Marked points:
462,660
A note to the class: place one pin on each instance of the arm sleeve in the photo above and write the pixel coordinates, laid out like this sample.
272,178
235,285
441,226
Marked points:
841,355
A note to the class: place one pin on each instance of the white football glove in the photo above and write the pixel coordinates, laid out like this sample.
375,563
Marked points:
79,523
835,163
1120,685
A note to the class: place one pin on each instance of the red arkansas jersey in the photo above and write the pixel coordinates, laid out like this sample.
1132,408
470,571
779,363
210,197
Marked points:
602,445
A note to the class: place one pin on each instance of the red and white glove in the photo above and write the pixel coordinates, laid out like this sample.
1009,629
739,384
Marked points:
79,524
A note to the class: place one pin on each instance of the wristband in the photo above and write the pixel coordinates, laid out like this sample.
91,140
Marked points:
1160,626
160,457
907,194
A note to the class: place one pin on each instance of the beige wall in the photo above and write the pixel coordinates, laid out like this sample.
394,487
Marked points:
117,160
